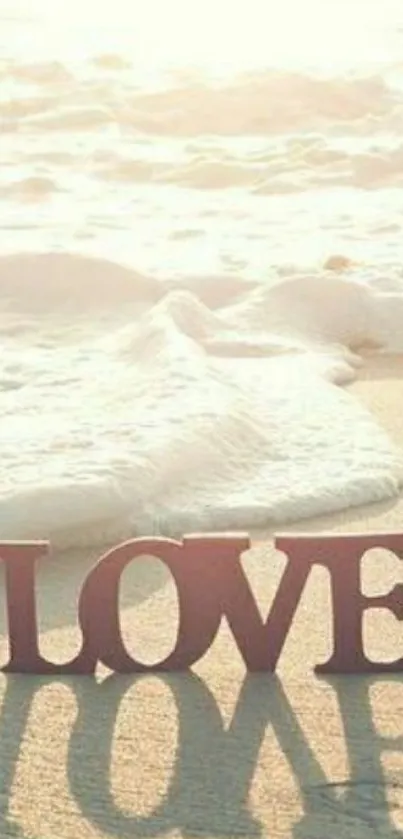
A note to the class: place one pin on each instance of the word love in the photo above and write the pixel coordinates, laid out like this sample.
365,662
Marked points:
211,585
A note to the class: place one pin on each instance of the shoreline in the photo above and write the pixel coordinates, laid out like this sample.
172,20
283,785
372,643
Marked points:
213,752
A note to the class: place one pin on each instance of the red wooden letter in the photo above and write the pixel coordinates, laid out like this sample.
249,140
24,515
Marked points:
342,555
19,559
199,567
260,643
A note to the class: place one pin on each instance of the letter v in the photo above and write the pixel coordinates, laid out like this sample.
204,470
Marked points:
260,643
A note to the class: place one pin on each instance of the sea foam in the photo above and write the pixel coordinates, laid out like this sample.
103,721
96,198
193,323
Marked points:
160,414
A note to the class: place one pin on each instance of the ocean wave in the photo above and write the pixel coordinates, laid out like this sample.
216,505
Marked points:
319,132
311,162
138,401
164,420
269,102
35,188
48,283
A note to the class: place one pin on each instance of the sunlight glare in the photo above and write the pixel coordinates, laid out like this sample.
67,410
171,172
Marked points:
218,35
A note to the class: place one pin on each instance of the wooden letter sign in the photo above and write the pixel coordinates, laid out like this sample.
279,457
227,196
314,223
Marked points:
211,584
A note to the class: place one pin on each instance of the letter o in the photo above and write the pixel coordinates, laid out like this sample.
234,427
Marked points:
199,603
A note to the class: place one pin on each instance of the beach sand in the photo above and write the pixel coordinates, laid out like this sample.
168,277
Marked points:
214,753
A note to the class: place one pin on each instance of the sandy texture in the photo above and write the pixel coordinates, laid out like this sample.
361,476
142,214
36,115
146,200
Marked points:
215,753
